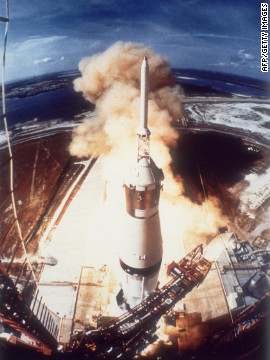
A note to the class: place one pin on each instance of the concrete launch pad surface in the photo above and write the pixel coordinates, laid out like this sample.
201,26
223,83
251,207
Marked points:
202,312
74,236
83,287
96,297
208,299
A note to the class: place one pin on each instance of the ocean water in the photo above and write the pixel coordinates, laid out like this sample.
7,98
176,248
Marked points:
55,104
205,83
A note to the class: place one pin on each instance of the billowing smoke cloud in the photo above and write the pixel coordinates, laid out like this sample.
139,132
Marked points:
111,80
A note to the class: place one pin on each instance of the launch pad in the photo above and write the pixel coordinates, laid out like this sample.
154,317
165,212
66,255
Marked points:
129,333
210,297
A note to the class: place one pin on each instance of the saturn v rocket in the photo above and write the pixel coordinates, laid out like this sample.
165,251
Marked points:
141,251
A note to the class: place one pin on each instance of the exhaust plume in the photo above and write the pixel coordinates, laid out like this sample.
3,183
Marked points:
111,80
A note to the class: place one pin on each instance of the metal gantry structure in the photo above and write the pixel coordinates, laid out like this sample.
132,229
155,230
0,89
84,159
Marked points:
30,322
134,330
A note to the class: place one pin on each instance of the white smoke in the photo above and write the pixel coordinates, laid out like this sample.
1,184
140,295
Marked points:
111,80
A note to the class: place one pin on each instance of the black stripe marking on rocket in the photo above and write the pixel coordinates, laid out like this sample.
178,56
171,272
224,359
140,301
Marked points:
142,272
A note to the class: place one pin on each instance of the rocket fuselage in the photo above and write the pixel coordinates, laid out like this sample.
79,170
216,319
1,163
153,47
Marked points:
141,250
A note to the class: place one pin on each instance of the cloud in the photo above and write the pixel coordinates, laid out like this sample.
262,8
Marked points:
221,36
242,58
44,61
219,64
172,29
39,42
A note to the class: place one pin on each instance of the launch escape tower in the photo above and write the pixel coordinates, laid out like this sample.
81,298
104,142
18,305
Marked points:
141,251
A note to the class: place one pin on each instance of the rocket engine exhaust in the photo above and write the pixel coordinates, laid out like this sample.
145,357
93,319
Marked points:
141,252
111,80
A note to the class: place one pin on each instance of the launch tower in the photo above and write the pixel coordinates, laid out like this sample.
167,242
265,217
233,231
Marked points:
141,251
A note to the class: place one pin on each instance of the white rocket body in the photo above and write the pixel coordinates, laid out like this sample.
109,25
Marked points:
141,250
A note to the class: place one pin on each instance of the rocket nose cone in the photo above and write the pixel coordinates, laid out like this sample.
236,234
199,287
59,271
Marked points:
145,63
145,60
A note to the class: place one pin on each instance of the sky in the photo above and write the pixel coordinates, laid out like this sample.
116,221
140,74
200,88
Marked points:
48,35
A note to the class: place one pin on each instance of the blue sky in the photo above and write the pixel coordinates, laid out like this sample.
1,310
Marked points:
50,35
